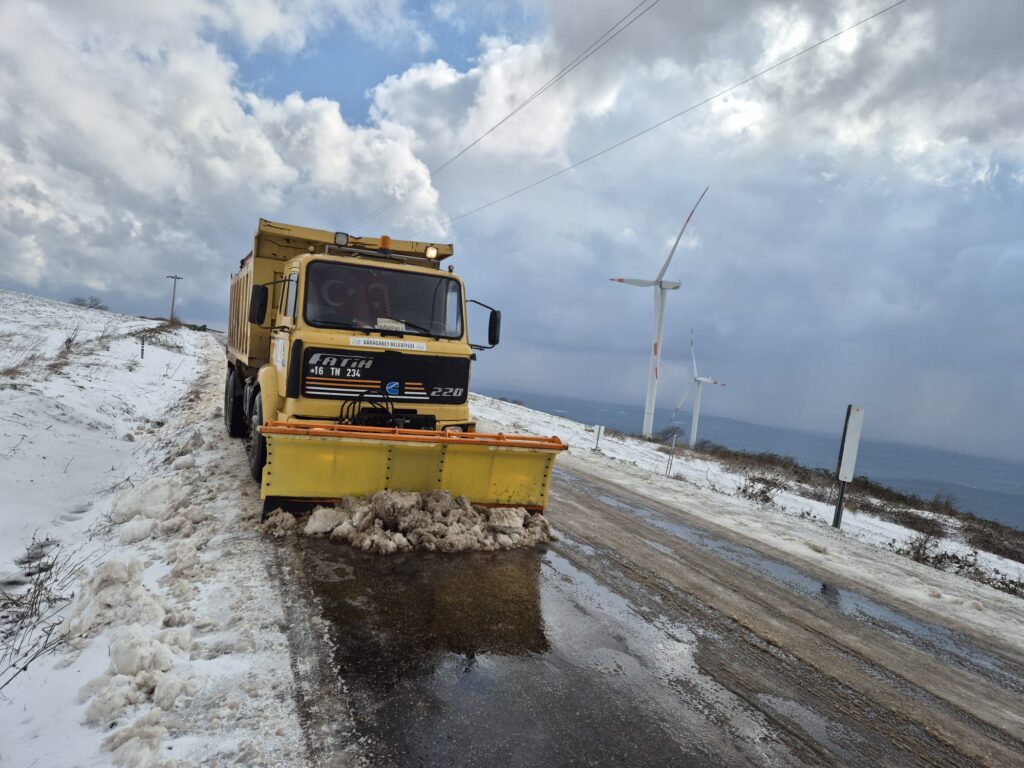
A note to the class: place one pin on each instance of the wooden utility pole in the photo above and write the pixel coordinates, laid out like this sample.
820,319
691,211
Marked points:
174,292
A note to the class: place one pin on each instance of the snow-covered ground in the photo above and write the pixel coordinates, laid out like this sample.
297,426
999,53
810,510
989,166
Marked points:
176,653
71,412
797,528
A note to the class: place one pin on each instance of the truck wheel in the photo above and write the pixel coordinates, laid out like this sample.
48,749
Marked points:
233,418
257,444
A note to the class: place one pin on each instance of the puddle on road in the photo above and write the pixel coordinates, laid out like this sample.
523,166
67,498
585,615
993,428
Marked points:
517,658
951,645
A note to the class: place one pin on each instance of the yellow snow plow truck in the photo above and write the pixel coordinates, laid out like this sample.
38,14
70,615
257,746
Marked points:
348,373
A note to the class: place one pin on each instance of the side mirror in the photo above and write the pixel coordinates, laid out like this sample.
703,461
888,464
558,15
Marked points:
258,301
494,328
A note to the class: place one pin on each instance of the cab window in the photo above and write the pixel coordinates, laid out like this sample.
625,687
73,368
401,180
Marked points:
291,291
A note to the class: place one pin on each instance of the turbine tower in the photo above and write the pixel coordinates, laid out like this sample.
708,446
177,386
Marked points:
661,289
698,381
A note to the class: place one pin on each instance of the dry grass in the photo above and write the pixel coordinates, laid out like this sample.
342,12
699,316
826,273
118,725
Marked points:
160,336
18,356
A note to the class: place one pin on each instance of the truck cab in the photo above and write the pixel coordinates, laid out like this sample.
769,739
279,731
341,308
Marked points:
327,327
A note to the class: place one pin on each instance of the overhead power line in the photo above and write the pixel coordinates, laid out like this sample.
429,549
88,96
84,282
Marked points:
670,118
606,37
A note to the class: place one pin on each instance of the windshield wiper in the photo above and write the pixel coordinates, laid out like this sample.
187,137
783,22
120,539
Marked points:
350,326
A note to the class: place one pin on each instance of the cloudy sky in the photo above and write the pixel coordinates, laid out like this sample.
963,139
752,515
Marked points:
861,241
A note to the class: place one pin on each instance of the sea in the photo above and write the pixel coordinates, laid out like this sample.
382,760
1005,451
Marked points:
987,487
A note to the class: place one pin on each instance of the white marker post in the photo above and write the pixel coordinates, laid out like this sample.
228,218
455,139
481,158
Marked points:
848,455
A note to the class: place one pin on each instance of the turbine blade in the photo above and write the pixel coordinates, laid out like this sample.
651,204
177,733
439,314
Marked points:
693,355
633,281
664,267
682,400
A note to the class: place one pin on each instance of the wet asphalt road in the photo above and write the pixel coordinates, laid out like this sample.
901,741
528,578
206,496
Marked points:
637,639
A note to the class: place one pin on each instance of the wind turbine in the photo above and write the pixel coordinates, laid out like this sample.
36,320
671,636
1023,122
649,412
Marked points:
661,289
698,380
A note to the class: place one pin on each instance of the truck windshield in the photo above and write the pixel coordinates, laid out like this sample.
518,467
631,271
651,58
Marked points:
369,298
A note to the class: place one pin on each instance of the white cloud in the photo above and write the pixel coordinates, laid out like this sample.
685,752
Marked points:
126,144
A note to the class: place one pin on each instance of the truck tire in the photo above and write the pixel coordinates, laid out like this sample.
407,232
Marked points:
257,444
233,418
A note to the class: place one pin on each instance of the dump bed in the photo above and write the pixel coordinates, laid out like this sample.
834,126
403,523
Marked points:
273,245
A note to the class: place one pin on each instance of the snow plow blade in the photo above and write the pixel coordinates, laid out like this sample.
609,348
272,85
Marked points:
325,462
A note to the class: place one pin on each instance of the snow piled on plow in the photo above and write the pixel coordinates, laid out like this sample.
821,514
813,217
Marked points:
388,522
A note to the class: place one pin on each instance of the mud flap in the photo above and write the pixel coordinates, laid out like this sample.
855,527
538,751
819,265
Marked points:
327,462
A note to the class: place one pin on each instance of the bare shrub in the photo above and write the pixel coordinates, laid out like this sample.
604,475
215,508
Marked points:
30,614
921,548
93,302
71,335
761,486
924,549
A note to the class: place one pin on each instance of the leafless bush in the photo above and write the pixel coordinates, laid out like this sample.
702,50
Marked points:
924,549
920,549
93,302
30,614
71,334
70,344
761,486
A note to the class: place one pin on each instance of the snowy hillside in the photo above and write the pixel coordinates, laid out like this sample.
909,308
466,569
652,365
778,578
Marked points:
170,647
75,394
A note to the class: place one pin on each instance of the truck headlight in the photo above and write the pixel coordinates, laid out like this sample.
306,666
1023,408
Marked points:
454,428
431,252
341,238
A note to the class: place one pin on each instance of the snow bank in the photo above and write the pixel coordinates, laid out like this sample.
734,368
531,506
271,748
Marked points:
157,498
389,522
113,594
